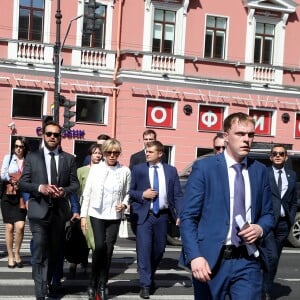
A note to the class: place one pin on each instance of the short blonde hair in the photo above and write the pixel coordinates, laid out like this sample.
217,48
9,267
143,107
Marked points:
111,144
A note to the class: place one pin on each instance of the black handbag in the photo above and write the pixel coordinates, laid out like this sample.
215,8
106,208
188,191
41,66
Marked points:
76,249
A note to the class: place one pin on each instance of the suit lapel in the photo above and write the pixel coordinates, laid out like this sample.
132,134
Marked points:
43,164
273,183
223,173
290,182
167,177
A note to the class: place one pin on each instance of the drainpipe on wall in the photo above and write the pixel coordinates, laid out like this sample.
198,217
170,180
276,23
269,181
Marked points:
117,67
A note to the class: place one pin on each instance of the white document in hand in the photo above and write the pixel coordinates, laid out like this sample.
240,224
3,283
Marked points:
251,248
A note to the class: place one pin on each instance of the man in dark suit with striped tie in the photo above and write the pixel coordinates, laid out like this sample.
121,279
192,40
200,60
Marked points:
283,187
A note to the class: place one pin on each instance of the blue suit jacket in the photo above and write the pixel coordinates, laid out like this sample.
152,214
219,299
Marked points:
139,206
205,214
289,199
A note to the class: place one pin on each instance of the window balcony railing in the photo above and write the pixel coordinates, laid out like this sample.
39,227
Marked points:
163,63
264,74
30,52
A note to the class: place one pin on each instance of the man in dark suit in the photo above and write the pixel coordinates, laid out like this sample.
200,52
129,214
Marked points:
155,192
215,244
283,187
139,157
50,177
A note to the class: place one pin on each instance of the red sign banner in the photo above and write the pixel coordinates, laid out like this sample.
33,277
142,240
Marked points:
263,121
210,118
297,126
159,114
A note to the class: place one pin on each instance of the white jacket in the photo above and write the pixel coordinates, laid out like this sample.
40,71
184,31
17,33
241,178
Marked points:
97,202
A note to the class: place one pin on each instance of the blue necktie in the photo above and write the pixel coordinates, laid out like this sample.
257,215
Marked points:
238,203
155,207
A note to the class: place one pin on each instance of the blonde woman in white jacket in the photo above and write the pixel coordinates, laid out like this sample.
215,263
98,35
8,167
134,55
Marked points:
105,197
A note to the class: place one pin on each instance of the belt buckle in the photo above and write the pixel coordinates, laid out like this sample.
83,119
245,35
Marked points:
228,252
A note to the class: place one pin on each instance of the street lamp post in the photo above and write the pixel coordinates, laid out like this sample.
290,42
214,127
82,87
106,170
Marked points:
57,60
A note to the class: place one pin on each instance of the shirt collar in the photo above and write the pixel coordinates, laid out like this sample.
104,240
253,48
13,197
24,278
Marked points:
159,165
230,161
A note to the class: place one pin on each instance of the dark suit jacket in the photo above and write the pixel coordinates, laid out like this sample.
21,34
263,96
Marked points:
205,214
289,199
140,181
137,158
35,173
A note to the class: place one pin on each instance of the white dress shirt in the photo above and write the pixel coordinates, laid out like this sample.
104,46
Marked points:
162,193
231,176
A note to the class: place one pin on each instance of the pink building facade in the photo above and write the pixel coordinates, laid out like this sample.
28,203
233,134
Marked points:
178,67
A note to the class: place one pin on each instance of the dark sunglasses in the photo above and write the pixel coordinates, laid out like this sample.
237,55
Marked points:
55,134
275,153
112,152
218,148
19,146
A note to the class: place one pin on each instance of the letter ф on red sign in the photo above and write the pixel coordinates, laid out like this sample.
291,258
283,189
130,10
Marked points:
160,114
210,118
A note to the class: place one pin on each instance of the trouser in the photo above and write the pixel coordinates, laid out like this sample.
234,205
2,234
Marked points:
273,245
48,238
151,239
239,278
105,236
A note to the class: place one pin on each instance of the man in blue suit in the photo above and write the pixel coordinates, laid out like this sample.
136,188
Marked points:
220,188
153,197
283,187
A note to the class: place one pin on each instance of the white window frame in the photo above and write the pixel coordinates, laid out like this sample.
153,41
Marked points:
47,21
106,107
108,26
226,36
180,24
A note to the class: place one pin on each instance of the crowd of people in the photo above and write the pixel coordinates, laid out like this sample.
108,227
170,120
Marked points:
234,216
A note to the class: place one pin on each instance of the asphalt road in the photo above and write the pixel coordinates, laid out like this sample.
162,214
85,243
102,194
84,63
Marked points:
173,282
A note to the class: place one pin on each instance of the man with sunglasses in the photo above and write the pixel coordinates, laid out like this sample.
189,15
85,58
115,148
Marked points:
218,143
49,175
283,186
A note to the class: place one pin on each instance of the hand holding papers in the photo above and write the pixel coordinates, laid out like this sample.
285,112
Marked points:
251,248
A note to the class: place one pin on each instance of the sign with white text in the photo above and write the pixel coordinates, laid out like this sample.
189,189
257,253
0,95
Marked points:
159,114
297,126
210,118
263,121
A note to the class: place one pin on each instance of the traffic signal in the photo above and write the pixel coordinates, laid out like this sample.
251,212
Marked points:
68,114
91,17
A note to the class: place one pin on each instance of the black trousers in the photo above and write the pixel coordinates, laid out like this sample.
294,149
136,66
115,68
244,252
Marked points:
48,239
105,235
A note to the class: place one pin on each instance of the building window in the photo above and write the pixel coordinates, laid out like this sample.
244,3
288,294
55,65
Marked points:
27,105
90,110
163,31
31,20
264,41
97,38
215,37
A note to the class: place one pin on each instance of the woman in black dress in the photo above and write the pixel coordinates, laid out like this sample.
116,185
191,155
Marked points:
12,204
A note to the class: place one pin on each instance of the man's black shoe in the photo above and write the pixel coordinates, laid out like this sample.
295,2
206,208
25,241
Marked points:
55,290
266,296
153,288
144,293
91,293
